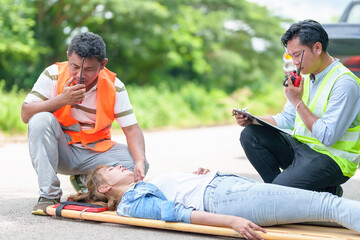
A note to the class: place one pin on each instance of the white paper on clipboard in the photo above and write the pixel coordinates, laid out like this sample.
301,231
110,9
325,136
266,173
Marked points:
260,122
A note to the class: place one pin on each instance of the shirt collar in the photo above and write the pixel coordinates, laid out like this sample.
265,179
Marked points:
93,88
318,77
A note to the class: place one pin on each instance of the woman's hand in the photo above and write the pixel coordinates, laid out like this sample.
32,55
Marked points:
201,171
246,228
243,226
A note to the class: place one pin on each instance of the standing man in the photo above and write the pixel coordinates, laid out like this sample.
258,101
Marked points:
323,112
69,114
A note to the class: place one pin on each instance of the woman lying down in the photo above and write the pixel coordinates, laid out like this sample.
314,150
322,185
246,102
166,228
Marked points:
211,198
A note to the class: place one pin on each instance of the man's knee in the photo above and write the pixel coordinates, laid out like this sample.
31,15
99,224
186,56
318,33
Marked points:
41,121
248,135
245,133
42,127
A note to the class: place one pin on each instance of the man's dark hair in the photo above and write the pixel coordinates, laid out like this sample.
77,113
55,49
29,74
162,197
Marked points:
309,32
88,45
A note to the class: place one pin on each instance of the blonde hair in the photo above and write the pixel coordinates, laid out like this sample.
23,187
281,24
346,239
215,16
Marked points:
93,196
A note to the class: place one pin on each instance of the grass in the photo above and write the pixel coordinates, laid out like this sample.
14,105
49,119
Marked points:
189,106
10,110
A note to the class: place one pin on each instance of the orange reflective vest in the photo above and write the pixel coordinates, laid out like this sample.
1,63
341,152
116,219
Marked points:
98,138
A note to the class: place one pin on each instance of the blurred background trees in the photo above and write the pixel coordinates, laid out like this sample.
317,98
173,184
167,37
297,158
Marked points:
225,44
214,45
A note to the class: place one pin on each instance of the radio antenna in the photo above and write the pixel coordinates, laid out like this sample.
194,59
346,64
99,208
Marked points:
302,55
82,65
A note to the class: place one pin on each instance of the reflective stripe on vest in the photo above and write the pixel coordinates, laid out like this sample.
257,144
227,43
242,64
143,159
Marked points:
97,138
346,151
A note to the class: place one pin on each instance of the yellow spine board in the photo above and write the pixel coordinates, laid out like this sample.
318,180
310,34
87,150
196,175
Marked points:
283,232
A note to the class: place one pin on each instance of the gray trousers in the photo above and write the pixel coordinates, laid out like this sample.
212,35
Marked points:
50,154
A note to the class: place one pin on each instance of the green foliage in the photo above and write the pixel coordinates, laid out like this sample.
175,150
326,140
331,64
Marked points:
206,42
191,106
56,21
18,47
184,56
211,43
10,121
260,104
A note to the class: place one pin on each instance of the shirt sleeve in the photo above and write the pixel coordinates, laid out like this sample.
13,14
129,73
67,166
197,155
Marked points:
45,86
152,207
286,119
342,109
123,110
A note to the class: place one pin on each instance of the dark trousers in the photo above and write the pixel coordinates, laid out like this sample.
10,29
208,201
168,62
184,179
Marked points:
283,160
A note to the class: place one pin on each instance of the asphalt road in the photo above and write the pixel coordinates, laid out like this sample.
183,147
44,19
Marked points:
216,148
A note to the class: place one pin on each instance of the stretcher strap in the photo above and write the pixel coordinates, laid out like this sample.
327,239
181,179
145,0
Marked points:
78,206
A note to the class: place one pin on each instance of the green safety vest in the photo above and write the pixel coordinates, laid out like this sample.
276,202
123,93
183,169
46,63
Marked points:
346,151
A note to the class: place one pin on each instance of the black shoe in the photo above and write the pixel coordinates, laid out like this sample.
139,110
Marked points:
339,191
336,190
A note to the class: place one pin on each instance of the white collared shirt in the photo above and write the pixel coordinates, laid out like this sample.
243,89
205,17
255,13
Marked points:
185,188
85,112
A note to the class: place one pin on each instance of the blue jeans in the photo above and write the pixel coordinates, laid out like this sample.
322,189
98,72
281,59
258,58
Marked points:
270,204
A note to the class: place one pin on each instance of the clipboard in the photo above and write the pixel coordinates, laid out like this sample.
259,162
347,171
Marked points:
258,121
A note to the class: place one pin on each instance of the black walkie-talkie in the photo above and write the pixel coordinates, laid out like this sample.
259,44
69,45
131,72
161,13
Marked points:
82,65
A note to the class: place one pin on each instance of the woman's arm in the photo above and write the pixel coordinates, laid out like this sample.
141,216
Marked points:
241,225
153,207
